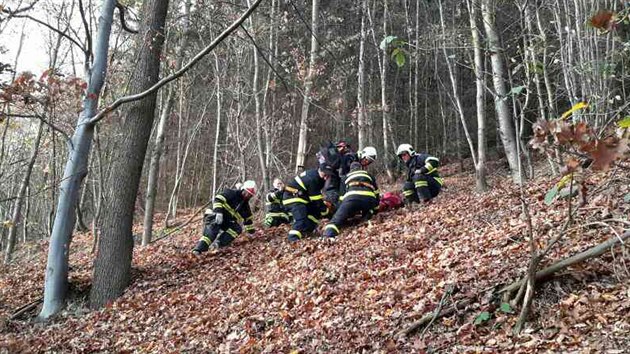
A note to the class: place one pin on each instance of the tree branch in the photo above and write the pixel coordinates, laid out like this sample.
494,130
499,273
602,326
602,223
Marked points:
121,12
131,98
63,34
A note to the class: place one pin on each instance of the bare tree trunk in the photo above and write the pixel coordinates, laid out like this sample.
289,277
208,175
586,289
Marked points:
76,168
112,267
384,103
506,125
17,207
154,167
257,108
455,86
361,109
480,166
308,85
217,129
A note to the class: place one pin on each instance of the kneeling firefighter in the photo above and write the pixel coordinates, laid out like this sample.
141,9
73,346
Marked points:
230,208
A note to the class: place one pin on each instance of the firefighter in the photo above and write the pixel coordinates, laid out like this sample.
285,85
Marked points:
229,209
276,213
362,196
423,180
303,199
366,156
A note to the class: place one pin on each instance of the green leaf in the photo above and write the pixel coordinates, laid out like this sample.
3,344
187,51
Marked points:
482,317
551,195
515,91
624,123
400,59
387,40
506,308
627,198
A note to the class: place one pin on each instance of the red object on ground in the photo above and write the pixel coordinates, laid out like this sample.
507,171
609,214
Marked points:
390,200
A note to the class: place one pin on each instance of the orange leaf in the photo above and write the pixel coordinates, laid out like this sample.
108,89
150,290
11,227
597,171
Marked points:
602,20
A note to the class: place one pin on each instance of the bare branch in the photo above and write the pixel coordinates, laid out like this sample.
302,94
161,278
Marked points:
63,34
131,98
121,12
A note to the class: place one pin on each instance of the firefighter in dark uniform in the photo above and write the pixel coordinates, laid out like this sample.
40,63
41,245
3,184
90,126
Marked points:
362,196
303,199
423,180
276,213
229,209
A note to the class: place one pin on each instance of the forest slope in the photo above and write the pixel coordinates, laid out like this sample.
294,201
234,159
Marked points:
264,294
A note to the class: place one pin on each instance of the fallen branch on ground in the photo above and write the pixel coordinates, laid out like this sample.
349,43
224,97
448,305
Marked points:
429,317
580,257
17,313
194,217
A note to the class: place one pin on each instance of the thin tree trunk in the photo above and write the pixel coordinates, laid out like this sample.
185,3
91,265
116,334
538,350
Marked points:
217,130
17,207
257,107
112,267
308,85
158,149
384,102
361,110
480,166
506,125
76,168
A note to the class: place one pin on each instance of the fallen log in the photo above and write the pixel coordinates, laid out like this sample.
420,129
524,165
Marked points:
580,257
17,313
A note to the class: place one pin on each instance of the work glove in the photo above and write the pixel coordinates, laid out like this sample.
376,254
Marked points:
218,218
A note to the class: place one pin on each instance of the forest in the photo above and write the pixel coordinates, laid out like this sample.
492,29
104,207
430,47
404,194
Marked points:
121,121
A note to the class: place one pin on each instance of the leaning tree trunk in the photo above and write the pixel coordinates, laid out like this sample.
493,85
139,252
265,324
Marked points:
154,167
506,125
56,282
308,85
112,267
17,207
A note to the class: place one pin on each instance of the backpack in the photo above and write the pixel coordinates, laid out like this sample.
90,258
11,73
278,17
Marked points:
328,154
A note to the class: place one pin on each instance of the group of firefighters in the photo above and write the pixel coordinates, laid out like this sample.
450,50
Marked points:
337,193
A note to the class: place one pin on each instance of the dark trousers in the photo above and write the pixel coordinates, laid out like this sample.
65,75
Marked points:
276,219
305,219
422,188
349,207
224,234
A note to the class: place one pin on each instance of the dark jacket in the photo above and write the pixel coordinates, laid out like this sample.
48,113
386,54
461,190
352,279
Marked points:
234,207
346,160
360,183
422,164
307,189
273,201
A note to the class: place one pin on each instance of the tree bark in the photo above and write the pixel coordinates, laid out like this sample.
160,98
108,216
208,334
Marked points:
506,124
308,85
56,282
112,267
158,149
384,102
480,166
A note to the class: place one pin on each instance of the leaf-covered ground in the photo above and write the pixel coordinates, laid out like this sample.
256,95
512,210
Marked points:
266,295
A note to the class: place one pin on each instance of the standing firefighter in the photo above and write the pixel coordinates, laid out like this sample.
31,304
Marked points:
230,208
362,196
423,181
303,199
276,213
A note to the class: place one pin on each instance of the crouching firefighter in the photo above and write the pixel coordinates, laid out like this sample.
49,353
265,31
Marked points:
276,213
423,180
304,200
362,196
229,209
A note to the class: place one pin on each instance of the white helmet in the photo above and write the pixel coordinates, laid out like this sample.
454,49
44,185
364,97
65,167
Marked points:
405,148
369,153
249,187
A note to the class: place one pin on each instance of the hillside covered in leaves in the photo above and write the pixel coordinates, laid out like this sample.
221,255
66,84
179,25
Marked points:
265,295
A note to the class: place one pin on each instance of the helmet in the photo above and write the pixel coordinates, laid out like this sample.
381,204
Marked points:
249,187
326,169
369,153
405,148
